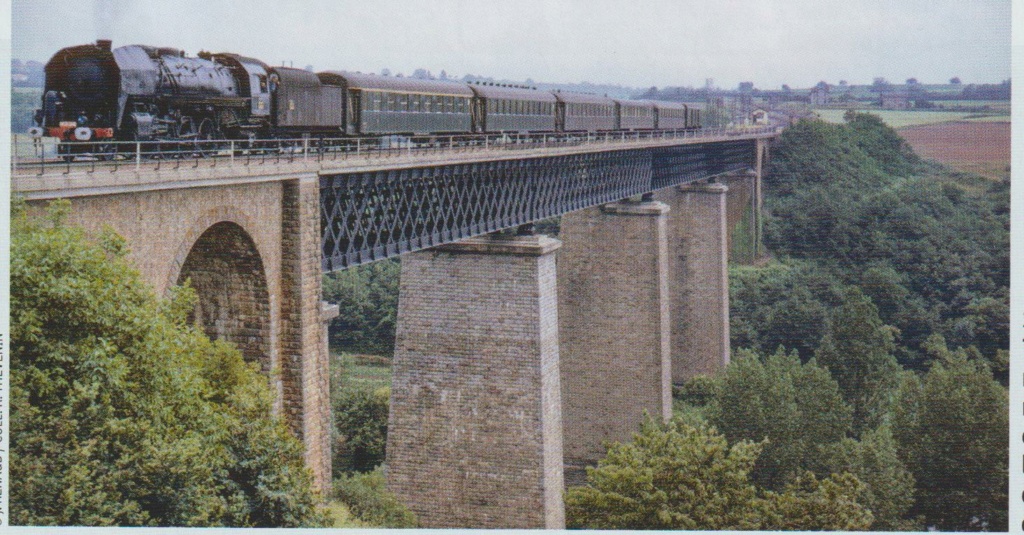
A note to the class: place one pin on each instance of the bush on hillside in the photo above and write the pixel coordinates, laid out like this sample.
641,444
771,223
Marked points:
124,414
367,499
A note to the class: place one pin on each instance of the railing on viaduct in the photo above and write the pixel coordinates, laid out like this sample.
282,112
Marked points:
44,157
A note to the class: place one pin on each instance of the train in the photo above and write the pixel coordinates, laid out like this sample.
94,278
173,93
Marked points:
95,93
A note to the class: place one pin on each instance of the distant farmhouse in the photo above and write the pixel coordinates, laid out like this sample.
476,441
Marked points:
895,100
819,95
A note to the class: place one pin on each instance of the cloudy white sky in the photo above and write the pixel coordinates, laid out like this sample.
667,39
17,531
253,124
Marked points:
631,42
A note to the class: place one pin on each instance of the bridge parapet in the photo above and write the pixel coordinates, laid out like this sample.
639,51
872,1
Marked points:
37,174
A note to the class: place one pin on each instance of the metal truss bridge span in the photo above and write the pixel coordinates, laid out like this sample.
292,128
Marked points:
372,215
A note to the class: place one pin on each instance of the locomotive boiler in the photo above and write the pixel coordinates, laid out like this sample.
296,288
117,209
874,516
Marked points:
94,93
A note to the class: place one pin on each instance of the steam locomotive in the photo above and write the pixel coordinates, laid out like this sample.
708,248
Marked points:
94,94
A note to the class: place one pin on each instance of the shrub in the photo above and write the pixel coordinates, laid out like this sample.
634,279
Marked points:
121,412
368,500
361,425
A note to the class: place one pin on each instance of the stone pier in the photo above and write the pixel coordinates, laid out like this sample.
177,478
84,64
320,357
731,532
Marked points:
614,326
475,430
698,279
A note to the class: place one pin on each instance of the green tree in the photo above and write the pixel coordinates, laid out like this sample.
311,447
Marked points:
796,407
682,477
367,499
367,298
889,485
782,304
807,504
858,352
121,413
361,425
952,429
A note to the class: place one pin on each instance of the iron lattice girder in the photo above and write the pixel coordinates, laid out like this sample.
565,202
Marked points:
368,216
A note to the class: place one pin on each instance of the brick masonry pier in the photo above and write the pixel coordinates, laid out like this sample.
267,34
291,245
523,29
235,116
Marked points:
698,278
475,430
614,326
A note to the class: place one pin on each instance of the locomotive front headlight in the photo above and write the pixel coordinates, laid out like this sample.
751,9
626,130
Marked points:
35,131
83,133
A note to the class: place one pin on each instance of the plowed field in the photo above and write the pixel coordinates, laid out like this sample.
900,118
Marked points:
975,147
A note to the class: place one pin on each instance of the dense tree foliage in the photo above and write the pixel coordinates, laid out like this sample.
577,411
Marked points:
929,247
882,260
796,407
369,501
783,304
367,297
889,485
361,426
121,413
684,477
858,352
951,427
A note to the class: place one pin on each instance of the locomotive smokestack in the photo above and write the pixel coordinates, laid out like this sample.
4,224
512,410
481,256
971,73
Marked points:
104,44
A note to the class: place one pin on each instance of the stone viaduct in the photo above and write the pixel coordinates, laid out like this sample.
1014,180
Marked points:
517,356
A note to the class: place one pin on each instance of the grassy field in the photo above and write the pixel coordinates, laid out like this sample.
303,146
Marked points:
360,371
902,118
993,105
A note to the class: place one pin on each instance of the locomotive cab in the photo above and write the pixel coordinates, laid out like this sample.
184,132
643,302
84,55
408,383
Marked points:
80,96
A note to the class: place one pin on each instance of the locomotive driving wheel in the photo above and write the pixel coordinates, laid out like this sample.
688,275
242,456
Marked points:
203,140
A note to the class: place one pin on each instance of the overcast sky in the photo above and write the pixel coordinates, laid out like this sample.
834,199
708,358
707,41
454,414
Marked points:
638,43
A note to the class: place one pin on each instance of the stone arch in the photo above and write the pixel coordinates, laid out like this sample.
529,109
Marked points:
227,273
